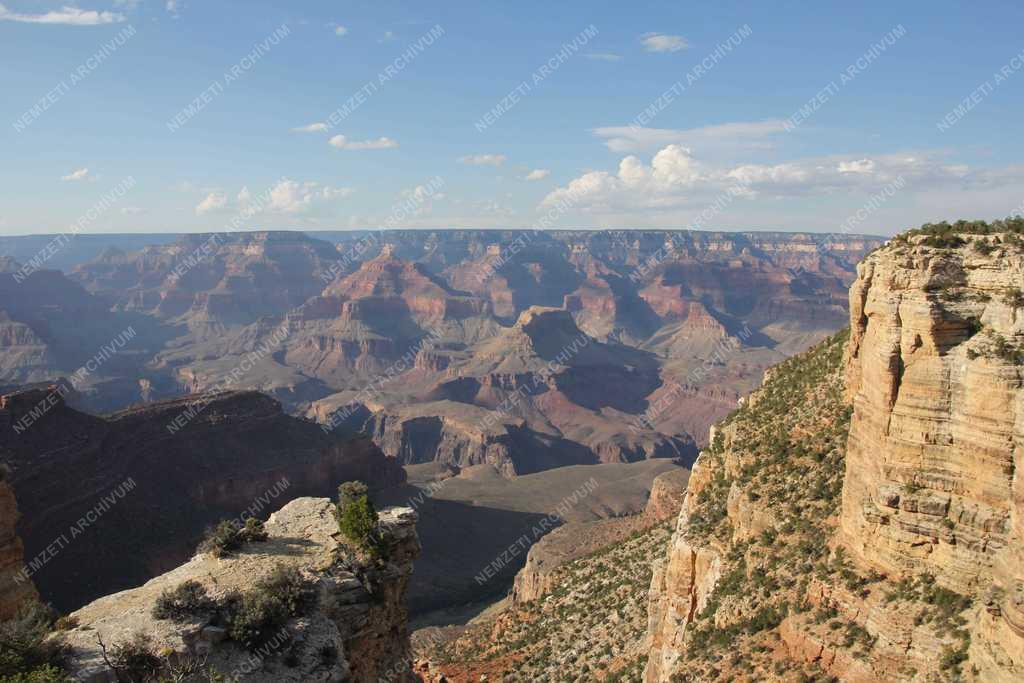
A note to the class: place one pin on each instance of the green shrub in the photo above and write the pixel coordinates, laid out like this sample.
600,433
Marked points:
226,537
256,615
357,518
134,660
24,647
184,602
42,674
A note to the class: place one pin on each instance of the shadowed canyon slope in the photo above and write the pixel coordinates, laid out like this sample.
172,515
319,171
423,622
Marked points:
159,475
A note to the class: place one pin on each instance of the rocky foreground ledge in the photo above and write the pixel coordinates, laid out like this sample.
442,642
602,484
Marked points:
355,629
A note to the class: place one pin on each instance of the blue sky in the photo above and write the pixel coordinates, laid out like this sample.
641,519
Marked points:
739,144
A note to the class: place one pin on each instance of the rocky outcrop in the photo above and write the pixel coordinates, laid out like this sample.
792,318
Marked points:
907,533
354,627
668,492
681,584
14,587
933,466
159,474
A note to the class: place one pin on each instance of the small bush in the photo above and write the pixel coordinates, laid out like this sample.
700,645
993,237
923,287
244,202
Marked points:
24,648
42,674
225,538
257,615
135,659
357,518
186,601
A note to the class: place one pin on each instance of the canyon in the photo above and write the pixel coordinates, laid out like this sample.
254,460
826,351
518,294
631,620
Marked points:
390,333
856,517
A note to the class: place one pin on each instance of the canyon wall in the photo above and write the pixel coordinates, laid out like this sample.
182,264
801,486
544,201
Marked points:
862,516
935,454
14,589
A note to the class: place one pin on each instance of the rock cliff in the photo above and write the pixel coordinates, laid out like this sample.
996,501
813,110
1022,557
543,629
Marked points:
352,624
14,588
860,516
933,466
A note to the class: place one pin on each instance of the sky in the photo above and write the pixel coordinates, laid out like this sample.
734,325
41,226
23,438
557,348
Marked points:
191,115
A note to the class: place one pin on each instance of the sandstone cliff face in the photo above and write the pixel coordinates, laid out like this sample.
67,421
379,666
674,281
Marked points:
933,468
905,565
107,503
680,586
358,613
14,589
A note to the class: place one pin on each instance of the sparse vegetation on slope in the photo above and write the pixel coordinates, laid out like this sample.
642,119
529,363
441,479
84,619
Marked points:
590,628
783,453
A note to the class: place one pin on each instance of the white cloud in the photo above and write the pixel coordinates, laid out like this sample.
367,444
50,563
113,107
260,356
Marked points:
856,166
290,196
172,7
663,42
318,127
340,30
68,16
676,178
342,142
387,37
78,174
215,201
483,159
538,174
603,56
132,211
738,135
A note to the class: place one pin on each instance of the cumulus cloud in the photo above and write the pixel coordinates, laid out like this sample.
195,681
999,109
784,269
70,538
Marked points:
292,197
856,166
172,6
215,201
340,30
342,142
68,16
483,159
538,174
318,127
736,136
76,175
676,178
663,42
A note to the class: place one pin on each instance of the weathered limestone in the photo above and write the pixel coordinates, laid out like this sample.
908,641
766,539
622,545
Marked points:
364,624
935,450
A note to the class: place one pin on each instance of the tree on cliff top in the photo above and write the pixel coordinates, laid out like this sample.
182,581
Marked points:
357,518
